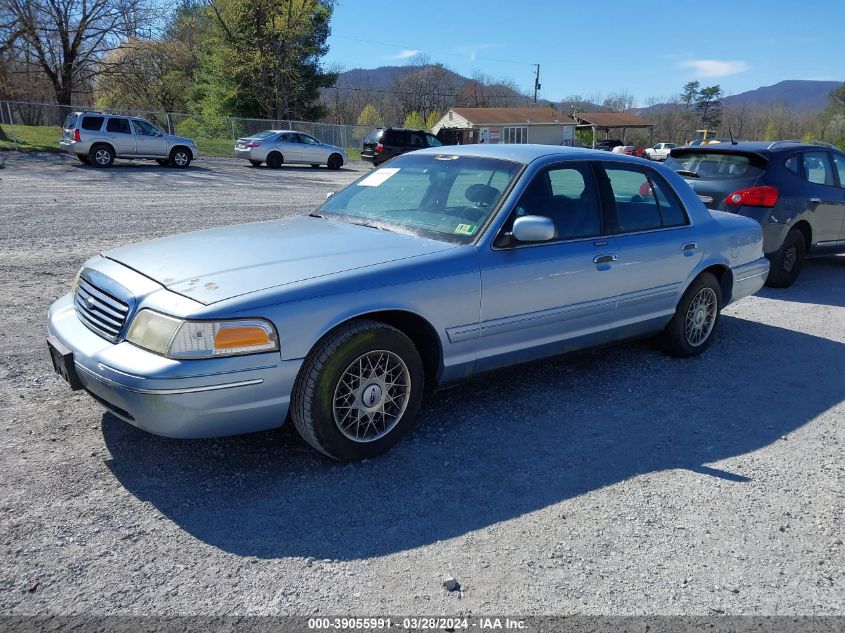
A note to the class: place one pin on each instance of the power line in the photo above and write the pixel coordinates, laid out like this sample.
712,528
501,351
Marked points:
450,95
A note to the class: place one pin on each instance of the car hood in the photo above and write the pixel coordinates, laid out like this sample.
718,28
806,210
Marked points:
226,262
170,138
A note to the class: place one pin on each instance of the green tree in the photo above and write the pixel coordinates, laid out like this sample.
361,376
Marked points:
415,121
689,94
431,120
265,57
370,117
708,105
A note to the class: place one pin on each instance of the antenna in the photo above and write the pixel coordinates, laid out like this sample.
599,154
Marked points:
730,134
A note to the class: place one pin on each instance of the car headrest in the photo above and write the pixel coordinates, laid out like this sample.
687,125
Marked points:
482,194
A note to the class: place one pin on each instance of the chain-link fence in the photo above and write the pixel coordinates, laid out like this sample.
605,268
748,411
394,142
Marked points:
24,123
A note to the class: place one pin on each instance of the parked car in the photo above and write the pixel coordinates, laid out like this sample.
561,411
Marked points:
794,190
383,144
607,145
629,150
97,138
278,147
659,151
427,271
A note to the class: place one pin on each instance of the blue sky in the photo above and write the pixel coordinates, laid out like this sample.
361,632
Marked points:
648,47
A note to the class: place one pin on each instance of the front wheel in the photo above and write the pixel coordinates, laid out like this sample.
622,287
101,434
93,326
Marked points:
787,262
358,391
693,327
180,157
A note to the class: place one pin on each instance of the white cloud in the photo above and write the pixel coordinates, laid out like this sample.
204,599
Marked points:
405,54
715,67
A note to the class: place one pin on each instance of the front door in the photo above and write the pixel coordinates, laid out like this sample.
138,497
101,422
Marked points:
120,136
310,150
148,140
545,298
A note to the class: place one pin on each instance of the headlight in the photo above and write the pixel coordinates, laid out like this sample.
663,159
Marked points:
180,339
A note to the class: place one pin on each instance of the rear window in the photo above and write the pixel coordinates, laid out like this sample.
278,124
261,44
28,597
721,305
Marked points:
374,136
263,135
93,123
716,166
394,137
70,121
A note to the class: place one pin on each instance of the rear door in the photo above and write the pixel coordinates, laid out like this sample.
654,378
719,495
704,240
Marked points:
290,147
69,125
839,166
657,246
824,197
120,136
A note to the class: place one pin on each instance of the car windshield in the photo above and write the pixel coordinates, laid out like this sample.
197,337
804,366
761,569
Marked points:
715,165
444,197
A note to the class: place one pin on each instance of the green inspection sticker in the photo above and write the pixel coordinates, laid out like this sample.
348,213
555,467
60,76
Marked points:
465,229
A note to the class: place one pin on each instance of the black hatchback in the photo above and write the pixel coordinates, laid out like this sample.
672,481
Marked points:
796,191
383,144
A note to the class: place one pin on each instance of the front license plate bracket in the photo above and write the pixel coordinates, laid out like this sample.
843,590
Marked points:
63,363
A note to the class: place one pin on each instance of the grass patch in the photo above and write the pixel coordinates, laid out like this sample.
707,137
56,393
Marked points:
32,138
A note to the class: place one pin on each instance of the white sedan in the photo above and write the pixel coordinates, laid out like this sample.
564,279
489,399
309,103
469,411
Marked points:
278,147
660,151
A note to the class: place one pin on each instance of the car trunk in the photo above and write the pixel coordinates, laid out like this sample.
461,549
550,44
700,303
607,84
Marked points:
715,174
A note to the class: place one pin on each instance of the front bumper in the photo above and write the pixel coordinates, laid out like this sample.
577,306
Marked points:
749,278
184,399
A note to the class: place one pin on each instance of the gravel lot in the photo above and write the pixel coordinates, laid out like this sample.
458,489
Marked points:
613,482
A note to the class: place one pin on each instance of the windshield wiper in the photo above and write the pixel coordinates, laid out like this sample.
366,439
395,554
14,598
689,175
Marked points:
687,173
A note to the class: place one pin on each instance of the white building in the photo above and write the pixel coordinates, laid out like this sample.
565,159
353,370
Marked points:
461,126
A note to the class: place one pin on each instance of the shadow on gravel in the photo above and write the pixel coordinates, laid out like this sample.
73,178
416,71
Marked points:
822,281
501,446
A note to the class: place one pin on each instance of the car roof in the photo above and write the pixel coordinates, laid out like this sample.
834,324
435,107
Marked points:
759,147
526,153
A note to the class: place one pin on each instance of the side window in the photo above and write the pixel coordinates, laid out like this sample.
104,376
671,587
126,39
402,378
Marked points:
308,140
671,211
565,194
817,169
839,163
142,128
793,164
416,139
433,140
92,123
288,138
636,203
119,126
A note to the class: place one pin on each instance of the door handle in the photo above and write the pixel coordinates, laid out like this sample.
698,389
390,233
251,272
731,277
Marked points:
815,200
605,259
689,246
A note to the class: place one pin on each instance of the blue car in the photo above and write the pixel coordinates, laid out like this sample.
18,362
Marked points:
441,264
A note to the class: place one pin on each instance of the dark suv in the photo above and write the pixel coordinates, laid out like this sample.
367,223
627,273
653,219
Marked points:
607,145
383,144
796,191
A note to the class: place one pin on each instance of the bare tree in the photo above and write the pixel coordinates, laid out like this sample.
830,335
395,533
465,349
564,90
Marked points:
68,37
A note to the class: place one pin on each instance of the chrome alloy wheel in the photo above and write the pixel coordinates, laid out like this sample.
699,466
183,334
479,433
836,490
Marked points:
180,158
102,157
371,396
701,316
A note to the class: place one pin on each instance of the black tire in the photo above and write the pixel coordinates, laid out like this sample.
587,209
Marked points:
180,157
84,159
319,384
255,163
101,155
314,165
678,339
164,162
335,161
275,160
787,262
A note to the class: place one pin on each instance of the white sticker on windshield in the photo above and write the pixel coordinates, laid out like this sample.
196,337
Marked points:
378,177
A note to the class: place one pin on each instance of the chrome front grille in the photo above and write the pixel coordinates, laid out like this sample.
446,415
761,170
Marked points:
101,312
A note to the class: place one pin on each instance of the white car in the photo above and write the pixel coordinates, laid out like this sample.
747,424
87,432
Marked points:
660,151
278,147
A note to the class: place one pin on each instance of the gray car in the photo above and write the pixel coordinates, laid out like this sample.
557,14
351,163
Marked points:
278,147
97,139
442,264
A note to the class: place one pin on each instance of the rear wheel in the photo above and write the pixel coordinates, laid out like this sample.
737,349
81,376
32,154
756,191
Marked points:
787,262
255,163
335,161
358,391
180,157
693,327
275,160
101,156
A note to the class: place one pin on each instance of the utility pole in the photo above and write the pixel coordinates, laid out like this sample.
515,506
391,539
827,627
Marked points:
536,81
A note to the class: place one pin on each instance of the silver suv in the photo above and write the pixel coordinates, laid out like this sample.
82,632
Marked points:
97,139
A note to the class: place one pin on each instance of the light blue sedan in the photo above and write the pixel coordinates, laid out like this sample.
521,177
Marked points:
441,264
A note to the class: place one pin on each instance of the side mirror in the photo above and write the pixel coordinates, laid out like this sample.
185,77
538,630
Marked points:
533,228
